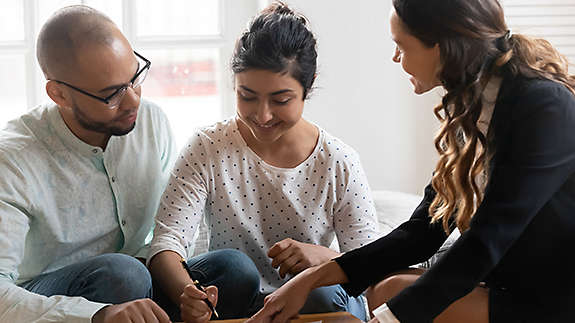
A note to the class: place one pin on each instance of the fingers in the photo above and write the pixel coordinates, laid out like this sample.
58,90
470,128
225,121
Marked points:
281,318
279,247
298,268
192,291
287,265
279,259
193,307
160,314
212,292
266,314
192,314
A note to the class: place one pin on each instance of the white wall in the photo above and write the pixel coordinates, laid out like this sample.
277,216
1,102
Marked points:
365,99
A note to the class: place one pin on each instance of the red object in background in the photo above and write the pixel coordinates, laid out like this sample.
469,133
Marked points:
194,78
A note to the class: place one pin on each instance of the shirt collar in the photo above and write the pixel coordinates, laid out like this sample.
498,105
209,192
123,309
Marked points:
68,137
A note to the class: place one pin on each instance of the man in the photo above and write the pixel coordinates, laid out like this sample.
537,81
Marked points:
80,181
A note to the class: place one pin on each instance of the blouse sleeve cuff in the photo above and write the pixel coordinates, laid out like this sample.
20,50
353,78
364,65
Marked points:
384,314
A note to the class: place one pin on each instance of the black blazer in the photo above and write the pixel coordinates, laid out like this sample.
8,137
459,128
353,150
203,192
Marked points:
521,237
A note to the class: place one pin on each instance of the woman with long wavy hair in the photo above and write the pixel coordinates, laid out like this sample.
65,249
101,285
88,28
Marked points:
505,178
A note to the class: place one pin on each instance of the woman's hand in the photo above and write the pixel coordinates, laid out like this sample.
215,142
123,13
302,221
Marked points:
193,309
284,303
293,256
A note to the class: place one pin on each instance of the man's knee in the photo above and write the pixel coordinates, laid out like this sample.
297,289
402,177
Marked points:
120,278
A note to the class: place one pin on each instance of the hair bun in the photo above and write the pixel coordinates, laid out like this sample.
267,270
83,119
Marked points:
280,8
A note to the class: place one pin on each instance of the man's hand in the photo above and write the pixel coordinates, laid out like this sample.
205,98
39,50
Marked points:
293,256
140,311
193,308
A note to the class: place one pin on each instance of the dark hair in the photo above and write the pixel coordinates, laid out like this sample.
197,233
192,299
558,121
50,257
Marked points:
278,40
474,44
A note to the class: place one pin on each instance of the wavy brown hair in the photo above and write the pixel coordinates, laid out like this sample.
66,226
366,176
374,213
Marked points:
475,44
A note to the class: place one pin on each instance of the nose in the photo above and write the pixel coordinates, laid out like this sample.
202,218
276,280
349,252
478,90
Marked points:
396,55
131,99
264,113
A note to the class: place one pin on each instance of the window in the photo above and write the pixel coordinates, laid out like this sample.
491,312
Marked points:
553,20
188,41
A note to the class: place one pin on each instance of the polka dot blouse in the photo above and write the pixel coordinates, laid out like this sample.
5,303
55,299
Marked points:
249,205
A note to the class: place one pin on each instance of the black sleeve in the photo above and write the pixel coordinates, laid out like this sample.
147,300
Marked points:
538,160
412,242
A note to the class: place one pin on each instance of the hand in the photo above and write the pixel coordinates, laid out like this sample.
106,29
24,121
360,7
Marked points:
140,311
293,256
284,303
193,309
374,320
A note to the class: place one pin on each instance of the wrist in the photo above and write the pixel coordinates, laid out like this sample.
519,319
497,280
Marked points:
99,315
326,274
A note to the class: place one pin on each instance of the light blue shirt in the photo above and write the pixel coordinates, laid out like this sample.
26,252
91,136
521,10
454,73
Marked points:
62,201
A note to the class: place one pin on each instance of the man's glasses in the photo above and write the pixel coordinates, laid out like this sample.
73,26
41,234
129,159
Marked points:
113,100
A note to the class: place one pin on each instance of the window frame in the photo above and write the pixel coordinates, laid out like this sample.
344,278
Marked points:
230,25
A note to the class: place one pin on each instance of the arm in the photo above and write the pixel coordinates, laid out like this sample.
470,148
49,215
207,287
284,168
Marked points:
354,218
292,256
412,242
16,303
525,175
180,212
285,302
166,145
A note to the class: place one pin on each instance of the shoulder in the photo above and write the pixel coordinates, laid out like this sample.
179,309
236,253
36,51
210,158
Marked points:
25,133
152,112
217,136
528,97
333,148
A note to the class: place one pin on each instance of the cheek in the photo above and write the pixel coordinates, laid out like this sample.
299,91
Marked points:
243,108
405,65
292,113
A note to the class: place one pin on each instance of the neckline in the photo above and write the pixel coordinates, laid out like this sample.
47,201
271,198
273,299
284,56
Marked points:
240,140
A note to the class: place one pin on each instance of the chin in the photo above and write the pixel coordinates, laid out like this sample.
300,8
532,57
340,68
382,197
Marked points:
122,132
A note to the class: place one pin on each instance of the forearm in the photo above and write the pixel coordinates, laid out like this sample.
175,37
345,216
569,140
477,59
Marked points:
20,305
167,270
326,274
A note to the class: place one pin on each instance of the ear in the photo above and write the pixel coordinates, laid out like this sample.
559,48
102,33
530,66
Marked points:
57,94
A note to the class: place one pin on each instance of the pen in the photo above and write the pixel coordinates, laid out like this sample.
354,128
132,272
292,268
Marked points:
200,287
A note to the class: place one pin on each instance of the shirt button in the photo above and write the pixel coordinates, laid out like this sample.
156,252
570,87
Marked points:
123,222
113,179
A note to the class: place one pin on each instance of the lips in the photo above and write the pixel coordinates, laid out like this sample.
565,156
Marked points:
265,126
130,118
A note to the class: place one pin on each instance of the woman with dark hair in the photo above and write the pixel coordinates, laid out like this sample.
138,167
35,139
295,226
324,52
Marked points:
505,178
273,188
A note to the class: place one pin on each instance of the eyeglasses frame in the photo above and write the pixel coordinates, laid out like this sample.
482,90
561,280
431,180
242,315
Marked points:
106,100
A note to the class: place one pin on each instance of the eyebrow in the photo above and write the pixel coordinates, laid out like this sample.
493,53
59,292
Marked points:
113,87
273,93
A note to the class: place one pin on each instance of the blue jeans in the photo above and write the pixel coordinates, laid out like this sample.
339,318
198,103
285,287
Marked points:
238,282
110,278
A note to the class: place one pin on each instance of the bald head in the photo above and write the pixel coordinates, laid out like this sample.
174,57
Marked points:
66,33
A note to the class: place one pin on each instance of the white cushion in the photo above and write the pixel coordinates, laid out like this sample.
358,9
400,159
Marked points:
393,208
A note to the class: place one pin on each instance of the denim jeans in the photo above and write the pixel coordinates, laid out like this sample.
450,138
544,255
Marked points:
109,278
238,282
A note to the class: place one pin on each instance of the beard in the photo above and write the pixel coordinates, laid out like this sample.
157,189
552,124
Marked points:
101,127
